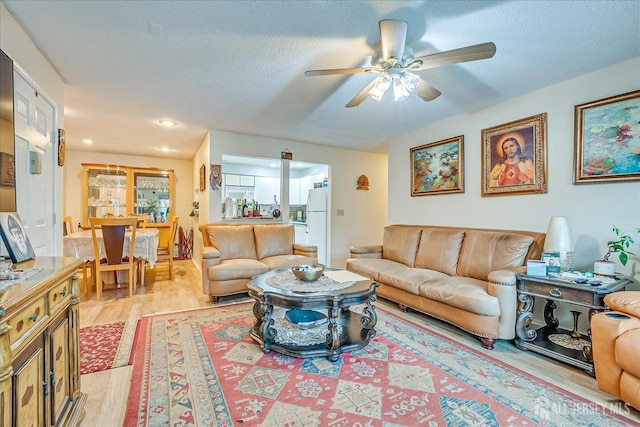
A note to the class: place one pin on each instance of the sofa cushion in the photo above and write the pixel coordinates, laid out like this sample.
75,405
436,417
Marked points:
465,293
233,242
439,250
236,269
406,278
400,244
287,261
370,267
485,251
273,240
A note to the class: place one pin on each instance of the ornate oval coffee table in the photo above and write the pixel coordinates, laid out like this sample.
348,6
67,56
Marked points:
279,295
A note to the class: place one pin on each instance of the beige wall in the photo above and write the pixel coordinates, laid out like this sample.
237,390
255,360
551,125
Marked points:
183,180
364,211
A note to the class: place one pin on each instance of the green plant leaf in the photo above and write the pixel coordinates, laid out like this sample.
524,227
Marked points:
623,258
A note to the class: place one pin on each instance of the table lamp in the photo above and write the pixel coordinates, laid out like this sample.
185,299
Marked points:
559,240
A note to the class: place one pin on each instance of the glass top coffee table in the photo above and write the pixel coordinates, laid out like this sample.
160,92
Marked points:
312,319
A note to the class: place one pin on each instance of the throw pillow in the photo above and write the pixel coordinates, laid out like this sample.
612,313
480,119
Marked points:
272,240
233,241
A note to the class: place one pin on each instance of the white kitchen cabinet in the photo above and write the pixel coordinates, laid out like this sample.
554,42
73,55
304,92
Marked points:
231,179
294,192
265,188
247,180
301,233
306,184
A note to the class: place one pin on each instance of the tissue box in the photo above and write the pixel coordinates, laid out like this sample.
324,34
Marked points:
536,268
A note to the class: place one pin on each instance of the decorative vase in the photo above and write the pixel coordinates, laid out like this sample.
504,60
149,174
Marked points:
604,268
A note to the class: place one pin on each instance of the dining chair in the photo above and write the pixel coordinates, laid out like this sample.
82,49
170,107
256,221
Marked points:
113,235
165,252
67,228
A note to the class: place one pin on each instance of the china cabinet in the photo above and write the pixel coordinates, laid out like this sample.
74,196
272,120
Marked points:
39,346
125,190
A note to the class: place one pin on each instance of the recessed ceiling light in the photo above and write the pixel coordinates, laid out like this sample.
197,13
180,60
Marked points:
167,123
87,141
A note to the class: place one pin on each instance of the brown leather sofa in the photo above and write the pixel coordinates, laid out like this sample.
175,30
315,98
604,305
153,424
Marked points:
615,341
234,253
465,276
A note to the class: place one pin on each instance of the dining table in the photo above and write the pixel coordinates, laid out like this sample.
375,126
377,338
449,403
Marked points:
80,245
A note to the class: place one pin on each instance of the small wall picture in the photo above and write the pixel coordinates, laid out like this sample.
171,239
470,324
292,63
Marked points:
15,237
203,178
437,168
7,170
513,157
215,177
61,147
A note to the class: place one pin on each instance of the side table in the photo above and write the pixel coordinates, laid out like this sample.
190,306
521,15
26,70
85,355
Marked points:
566,346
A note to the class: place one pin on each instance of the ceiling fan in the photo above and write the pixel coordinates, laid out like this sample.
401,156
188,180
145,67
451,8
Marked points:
395,64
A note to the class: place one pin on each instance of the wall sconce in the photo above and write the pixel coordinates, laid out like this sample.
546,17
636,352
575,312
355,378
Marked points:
363,183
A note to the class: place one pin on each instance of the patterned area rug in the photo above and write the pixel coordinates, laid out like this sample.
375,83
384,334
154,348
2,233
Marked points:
106,346
201,368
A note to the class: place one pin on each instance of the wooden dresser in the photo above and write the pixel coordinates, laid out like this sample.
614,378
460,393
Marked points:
39,346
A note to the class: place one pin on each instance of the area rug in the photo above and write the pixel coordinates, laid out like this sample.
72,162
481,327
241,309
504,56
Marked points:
106,346
201,368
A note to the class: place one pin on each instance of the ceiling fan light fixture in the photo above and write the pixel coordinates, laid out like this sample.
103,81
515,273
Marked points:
400,90
380,86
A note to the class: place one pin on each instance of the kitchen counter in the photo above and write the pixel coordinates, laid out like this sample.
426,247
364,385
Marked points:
251,219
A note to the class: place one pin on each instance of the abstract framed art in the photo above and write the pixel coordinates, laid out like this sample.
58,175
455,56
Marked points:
607,139
438,167
513,157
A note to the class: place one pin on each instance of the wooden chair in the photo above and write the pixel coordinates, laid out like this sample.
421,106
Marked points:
67,228
67,225
113,236
165,253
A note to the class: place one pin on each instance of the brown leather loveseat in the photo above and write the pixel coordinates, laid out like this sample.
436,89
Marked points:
615,340
234,253
465,276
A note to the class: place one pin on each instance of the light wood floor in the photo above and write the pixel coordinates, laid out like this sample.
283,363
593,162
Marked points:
108,389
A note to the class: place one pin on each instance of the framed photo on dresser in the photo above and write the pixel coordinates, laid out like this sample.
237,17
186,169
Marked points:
15,237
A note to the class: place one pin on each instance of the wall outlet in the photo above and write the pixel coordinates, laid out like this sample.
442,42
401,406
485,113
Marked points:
339,212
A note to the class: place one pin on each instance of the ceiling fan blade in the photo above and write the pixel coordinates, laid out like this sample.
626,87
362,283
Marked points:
425,91
393,34
339,71
361,96
464,54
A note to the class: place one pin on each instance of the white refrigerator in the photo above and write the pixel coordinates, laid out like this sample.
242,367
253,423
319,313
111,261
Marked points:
317,221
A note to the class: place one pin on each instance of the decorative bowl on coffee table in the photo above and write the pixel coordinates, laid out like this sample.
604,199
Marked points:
308,273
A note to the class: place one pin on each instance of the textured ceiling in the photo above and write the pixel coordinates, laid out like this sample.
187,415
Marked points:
239,66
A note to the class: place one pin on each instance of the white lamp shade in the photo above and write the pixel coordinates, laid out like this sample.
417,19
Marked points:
558,235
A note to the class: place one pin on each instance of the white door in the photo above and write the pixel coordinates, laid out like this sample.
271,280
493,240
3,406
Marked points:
34,127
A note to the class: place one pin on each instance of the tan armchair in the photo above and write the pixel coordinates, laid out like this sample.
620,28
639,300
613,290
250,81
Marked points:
615,338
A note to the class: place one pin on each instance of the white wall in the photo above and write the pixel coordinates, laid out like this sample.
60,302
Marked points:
26,56
364,211
182,183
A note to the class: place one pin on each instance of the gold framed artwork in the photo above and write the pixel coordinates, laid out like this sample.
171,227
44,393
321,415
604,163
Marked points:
437,168
203,178
7,170
513,157
607,139
61,147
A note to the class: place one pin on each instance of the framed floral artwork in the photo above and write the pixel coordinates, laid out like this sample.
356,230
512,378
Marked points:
607,139
437,168
513,157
